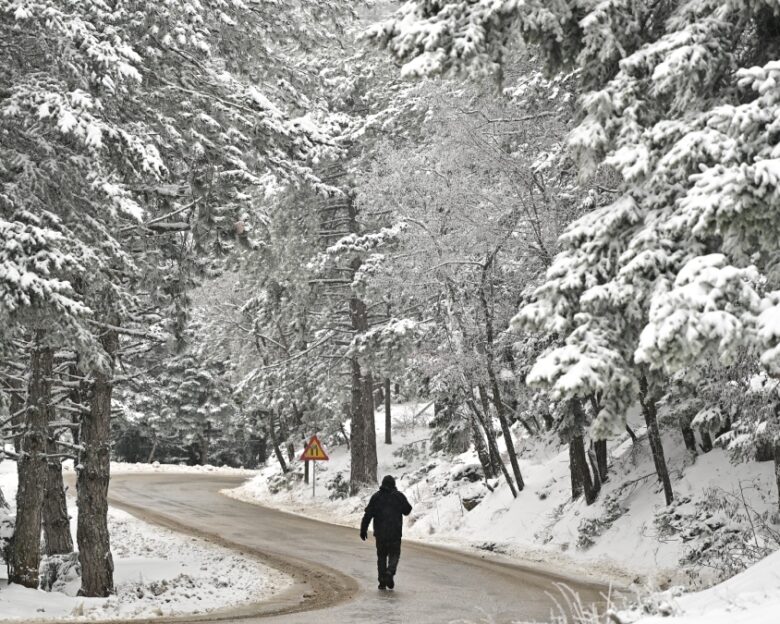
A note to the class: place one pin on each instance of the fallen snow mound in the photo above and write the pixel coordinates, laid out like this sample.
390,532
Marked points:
751,597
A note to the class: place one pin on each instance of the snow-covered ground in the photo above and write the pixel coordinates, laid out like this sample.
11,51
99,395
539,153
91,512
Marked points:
157,572
155,467
751,597
629,537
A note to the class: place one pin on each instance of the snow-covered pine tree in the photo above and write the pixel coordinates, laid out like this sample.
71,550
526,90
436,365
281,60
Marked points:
677,98
126,122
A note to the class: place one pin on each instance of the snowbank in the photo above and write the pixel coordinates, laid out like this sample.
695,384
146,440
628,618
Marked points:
157,572
157,467
751,597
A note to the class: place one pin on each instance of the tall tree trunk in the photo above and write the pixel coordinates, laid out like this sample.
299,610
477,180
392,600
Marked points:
357,436
76,395
25,550
502,419
93,475
777,473
363,467
369,430
56,523
17,411
706,442
594,468
580,473
689,437
582,480
275,442
487,426
656,446
497,402
480,447
492,445
378,396
150,459
602,459
205,442
297,416
388,414
574,474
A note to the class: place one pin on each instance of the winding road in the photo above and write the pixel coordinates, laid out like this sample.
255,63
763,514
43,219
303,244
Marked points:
334,571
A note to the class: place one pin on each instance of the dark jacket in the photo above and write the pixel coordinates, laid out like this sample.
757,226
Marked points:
386,508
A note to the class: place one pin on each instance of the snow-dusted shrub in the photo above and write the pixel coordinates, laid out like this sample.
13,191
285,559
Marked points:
338,487
591,528
723,534
412,451
58,570
472,473
283,481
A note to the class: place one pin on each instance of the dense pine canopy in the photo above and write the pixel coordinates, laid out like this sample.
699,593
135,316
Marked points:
228,225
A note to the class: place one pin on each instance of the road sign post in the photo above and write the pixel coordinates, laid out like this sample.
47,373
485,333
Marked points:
314,452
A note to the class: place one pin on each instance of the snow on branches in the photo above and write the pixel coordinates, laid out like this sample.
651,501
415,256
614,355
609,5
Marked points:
680,100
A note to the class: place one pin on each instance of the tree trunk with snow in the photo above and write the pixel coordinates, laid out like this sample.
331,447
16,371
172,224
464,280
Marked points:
150,459
76,395
574,477
582,481
602,459
706,442
357,450
369,430
689,437
203,448
648,403
57,538
481,448
388,414
777,473
363,465
492,445
489,365
56,523
581,478
363,458
275,442
16,408
25,549
97,564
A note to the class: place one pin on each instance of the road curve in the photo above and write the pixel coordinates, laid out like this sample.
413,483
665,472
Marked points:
334,571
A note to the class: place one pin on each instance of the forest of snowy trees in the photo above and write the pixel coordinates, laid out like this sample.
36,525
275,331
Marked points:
228,225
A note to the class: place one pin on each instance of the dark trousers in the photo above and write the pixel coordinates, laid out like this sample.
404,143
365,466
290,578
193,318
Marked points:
387,556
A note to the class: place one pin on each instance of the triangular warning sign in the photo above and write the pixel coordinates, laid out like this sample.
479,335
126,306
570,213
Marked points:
314,450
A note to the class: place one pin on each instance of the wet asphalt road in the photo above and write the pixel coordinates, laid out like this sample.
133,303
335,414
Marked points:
334,572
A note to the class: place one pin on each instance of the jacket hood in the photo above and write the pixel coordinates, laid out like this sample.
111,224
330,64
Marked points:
388,483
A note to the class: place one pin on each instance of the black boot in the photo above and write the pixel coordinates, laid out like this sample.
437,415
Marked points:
389,581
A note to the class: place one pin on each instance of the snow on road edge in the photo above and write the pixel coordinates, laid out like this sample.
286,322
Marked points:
158,572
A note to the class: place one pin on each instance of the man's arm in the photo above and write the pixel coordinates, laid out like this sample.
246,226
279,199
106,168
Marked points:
406,508
367,517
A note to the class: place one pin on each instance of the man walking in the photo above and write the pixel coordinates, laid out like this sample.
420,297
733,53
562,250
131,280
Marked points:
386,508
